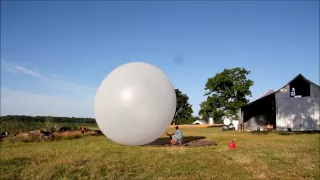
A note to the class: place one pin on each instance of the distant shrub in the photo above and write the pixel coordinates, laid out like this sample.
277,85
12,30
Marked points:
19,127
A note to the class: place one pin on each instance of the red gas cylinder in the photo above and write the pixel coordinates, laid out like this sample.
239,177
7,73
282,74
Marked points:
232,145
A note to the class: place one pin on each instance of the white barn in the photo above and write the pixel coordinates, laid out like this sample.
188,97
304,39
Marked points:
294,107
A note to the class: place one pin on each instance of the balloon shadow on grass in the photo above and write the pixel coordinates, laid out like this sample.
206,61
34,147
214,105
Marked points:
287,133
165,141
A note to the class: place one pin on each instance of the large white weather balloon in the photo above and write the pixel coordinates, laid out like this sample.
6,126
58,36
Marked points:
135,104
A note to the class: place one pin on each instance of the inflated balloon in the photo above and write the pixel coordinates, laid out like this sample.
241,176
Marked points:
135,104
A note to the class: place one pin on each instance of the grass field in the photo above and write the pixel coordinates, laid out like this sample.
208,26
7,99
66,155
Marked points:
257,156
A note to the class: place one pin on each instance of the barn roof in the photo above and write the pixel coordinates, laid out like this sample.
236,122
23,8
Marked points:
271,91
299,76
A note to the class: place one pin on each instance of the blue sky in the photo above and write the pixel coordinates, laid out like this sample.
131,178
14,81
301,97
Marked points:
54,55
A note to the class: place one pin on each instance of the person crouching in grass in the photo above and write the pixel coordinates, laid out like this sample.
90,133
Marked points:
177,136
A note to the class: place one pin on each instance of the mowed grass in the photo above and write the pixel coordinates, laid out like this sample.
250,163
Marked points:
257,156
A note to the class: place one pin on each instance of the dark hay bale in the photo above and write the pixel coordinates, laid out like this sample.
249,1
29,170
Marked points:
4,134
65,129
98,132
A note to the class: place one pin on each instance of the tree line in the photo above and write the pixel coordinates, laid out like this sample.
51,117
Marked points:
15,124
226,92
43,119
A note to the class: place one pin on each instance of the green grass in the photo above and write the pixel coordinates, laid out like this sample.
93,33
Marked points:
257,156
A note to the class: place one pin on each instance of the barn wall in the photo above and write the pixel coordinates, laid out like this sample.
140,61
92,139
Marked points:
300,113
314,91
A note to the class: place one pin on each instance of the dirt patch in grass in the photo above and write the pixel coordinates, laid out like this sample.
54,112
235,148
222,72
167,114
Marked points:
187,141
165,141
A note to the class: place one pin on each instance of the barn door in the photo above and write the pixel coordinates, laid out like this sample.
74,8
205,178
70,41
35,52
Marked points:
305,124
297,109
302,116
297,122
284,114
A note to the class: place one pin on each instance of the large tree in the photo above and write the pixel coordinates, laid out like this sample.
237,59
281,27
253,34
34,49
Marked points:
226,93
183,114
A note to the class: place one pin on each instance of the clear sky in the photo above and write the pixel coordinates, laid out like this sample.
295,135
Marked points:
54,55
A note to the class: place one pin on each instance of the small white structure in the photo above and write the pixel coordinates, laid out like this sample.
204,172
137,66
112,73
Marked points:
235,124
211,121
199,122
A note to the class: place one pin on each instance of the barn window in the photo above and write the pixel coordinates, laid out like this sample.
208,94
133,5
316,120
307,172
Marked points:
299,88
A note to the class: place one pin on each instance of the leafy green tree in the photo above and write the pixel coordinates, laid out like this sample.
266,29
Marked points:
48,122
183,114
226,93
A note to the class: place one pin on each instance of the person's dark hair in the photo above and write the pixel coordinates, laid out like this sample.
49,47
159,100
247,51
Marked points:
177,127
